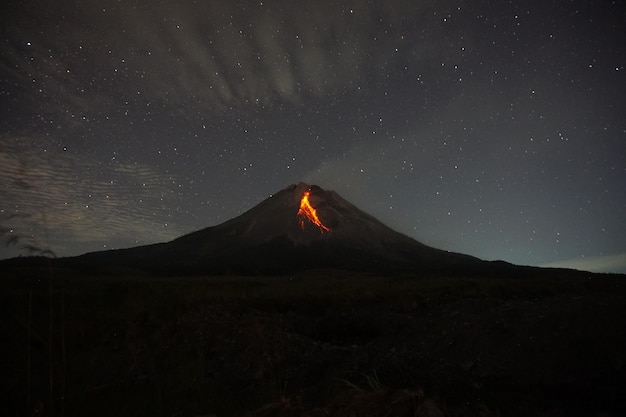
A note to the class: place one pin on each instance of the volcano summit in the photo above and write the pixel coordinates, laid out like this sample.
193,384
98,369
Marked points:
300,227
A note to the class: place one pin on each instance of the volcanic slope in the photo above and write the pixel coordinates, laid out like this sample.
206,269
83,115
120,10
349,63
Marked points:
300,227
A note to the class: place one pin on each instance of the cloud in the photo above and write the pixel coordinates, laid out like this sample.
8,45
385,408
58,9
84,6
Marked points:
219,53
49,198
604,263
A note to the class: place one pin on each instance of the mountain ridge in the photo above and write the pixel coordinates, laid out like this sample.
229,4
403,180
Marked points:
301,227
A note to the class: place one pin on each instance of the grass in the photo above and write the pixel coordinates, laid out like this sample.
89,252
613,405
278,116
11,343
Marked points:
322,342
372,383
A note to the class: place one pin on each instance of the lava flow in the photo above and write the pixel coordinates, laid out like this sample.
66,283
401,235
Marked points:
307,211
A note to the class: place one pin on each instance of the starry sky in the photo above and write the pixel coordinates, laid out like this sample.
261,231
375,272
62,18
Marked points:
491,128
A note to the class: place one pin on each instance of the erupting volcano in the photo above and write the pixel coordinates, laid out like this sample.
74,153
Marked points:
307,212
300,227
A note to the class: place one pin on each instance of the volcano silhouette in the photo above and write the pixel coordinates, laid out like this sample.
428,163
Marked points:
276,236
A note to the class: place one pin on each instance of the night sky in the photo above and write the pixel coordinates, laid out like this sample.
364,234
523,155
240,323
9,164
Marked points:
491,128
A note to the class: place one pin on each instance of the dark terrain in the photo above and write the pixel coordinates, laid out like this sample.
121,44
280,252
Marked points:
307,306
317,343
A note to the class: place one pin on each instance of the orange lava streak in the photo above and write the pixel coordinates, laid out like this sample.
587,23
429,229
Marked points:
306,210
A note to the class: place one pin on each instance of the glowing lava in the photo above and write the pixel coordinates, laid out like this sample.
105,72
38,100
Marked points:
307,211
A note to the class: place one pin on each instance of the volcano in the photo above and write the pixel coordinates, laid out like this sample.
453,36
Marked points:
301,227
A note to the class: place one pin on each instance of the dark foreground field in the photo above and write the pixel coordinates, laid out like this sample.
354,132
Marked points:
317,344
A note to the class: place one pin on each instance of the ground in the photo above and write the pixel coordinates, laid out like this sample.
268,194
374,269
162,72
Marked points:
318,343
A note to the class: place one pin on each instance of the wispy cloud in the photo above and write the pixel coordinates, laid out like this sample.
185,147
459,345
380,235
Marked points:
49,199
168,51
